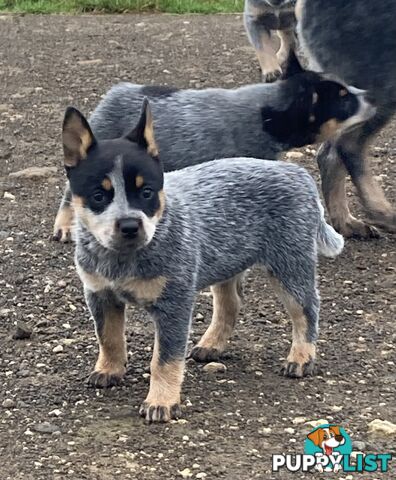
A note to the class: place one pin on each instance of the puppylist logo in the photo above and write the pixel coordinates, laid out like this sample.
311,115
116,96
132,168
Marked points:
328,448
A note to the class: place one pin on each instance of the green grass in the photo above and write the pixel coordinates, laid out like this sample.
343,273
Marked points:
117,6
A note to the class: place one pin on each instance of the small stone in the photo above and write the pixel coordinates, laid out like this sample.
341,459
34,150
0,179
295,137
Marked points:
8,403
214,367
8,196
186,473
294,154
317,423
55,413
45,427
298,420
361,446
34,172
265,430
94,61
58,349
336,408
22,331
186,438
379,427
289,430
200,475
199,316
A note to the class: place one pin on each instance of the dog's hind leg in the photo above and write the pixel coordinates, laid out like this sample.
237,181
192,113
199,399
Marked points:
296,289
333,176
352,149
226,305
288,42
265,42
64,218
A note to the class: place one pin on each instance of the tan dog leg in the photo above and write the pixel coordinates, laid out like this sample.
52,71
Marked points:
301,358
226,306
64,218
163,400
110,330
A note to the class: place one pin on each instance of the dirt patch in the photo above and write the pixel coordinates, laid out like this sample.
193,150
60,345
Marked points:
233,420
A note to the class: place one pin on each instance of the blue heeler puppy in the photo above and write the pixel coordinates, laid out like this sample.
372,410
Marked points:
270,26
155,241
355,40
261,121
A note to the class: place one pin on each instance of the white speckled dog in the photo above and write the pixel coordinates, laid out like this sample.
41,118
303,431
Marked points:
156,241
260,121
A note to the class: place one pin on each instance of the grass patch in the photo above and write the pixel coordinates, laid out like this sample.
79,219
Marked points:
120,6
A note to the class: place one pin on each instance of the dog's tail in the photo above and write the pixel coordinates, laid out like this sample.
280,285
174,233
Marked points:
330,243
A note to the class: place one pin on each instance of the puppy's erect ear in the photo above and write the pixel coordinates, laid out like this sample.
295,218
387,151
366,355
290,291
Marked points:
143,133
77,137
316,437
293,66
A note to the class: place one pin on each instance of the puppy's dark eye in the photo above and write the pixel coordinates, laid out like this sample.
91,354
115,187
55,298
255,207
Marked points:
147,193
98,197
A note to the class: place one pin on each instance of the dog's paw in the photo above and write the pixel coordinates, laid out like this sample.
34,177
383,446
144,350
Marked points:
204,355
153,413
271,77
63,225
298,370
99,379
354,228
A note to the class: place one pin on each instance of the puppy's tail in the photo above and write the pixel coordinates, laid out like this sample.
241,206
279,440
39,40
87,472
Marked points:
330,243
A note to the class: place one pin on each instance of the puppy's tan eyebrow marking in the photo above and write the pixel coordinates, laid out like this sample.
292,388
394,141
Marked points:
106,184
343,92
139,180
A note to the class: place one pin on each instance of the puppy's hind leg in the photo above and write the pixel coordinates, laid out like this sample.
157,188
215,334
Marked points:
266,44
64,218
297,291
226,306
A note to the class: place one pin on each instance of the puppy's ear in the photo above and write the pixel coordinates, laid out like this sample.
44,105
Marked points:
316,437
77,137
143,133
293,66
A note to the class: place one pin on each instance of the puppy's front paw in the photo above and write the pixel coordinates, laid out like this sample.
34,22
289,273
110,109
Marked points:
63,225
204,355
159,413
301,360
299,370
271,77
104,379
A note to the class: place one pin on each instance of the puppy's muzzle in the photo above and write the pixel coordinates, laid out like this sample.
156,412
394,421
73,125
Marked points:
129,227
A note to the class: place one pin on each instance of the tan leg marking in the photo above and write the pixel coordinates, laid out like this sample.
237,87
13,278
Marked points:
143,290
163,400
287,42
63,224
226,307
111,364
267,56
373,198
302,352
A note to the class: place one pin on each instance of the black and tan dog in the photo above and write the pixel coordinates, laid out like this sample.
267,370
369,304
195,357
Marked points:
355,40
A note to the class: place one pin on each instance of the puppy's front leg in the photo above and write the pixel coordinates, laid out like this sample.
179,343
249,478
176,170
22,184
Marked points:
109,316
167,365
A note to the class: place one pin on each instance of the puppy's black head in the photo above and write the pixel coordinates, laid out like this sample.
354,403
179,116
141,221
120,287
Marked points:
116,184
316,107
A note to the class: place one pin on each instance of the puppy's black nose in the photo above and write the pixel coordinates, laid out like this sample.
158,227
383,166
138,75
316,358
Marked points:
129,227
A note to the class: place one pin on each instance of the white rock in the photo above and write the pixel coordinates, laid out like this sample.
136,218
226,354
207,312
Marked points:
294,154
58,349
317,423
200,475
8,196
289,430
378,426
8,403
298,420
55,413
214,367
186,473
